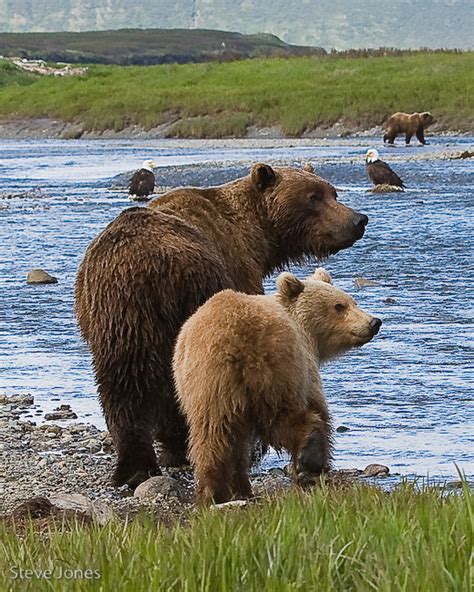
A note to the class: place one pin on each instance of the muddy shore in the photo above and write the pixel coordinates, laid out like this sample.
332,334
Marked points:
46,128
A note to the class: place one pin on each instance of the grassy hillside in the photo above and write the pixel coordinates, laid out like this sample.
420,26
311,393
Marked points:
146,46
342,24
216,100
359,539
9,75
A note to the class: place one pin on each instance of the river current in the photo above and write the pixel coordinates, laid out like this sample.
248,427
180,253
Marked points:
407,397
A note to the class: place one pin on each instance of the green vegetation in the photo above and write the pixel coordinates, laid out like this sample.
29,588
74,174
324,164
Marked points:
10,75
357,539
146,46
298,94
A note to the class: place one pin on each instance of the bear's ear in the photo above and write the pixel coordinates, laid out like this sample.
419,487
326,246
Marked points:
321,275
263,176
289,285
308,167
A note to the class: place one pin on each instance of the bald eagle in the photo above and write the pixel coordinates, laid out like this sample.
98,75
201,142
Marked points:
379,172
142,183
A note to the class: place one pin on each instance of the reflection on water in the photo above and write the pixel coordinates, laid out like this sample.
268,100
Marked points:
407,397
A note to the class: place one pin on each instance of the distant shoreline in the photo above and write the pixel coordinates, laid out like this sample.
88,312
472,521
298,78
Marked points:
48,128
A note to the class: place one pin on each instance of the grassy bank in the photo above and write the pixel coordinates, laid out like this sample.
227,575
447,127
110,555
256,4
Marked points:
359,539
217,100
10,75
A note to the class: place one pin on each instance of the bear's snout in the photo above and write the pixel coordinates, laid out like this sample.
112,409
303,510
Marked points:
360,222
375,325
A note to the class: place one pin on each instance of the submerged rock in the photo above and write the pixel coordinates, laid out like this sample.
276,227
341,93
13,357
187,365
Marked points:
362,282
385,188
39,276
375,470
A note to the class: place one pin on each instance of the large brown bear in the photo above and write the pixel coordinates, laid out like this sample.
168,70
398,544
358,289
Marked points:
152,267
404,123
247,366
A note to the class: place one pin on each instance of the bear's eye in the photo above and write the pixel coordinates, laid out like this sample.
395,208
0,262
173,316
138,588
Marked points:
314,197
340,307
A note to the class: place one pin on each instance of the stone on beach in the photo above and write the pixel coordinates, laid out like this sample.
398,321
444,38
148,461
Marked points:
159,486
375,470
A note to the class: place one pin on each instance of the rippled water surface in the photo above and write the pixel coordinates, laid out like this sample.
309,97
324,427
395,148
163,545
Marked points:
407,397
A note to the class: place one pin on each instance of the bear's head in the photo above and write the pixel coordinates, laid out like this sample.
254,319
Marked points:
330,317
426,119
303,214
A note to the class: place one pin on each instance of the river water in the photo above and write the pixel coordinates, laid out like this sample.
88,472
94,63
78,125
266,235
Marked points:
407,397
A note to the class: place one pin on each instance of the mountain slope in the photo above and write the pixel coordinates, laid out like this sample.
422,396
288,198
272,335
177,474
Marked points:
339,24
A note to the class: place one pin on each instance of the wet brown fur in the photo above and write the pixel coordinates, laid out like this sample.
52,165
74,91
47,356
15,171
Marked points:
410,125
247,366
152,267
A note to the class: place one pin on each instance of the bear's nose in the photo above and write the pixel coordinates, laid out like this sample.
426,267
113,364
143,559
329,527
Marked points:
360,222
375,325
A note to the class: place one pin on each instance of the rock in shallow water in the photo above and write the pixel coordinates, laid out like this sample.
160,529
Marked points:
375,470
39,276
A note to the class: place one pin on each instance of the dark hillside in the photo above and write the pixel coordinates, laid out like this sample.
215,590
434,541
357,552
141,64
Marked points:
147,46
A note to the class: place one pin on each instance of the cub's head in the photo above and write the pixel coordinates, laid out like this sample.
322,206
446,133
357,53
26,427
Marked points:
426,118
302,213
328,315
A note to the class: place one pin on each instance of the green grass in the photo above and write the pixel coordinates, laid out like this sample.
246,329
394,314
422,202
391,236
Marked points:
10,75
298,93
359,539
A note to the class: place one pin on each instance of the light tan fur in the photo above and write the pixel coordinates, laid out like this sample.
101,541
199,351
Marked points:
408,124
246,367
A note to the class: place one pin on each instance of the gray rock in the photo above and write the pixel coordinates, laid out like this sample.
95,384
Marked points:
341,429
390,301
156,487
17,400
80,503
375,470
57,415
39,276
362,282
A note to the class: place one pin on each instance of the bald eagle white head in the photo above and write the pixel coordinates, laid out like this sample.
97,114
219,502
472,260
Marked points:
372,155
149,165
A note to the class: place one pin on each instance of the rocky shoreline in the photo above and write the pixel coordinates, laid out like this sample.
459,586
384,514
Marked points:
48,128
64,467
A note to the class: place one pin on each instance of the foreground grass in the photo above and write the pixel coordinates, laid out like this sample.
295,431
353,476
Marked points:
360,539
223,99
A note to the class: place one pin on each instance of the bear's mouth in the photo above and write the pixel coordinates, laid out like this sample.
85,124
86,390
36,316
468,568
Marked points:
362,338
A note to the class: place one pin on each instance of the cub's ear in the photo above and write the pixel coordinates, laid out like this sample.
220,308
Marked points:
308,167
321,275
289,285
263,176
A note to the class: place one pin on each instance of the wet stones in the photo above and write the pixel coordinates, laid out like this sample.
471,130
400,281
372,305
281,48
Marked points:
61,412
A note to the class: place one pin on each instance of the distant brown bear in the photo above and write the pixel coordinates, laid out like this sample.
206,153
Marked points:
247,366
404,123
152,267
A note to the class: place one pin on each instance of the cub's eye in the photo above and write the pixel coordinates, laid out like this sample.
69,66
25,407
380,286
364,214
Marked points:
313,197
340,307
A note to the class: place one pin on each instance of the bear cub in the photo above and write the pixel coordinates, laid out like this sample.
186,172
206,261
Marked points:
247,367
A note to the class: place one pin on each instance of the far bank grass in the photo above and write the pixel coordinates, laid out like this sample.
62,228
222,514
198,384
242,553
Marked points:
215,100
360,539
